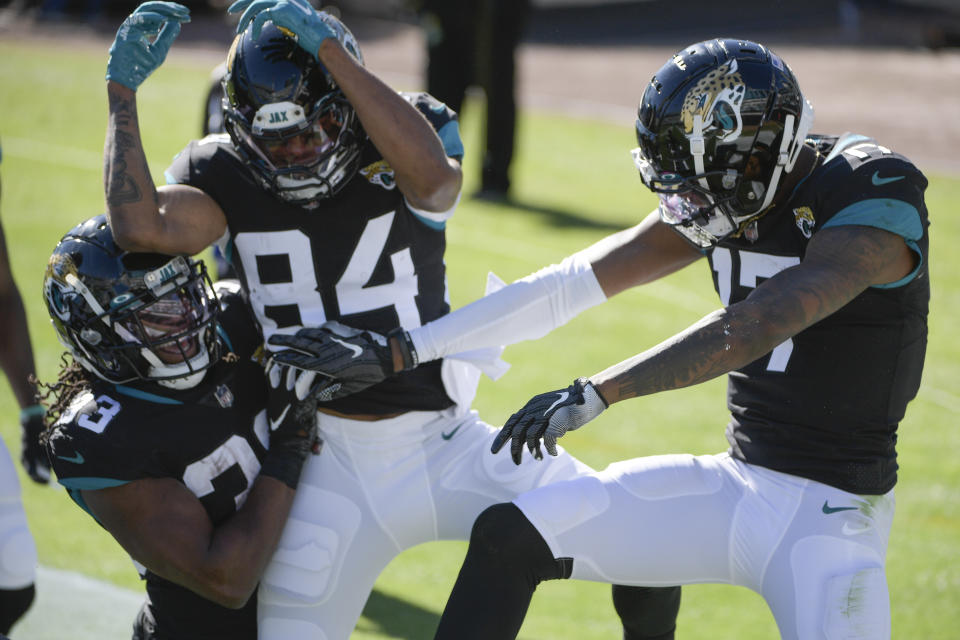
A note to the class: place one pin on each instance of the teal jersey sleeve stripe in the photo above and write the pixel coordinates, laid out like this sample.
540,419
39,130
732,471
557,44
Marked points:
90,484
450,137
910,276
225,337
143,395
436,225
76,496
169,177
895,216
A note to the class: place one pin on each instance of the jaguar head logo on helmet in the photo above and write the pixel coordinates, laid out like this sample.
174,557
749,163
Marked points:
129,316
718,127
288,118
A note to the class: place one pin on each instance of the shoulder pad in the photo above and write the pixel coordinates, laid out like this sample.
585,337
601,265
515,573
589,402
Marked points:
442,118
82,403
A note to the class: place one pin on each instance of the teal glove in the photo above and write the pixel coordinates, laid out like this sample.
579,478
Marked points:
133,56
297,19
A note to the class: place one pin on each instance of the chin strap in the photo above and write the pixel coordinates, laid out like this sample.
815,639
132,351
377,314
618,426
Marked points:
782,160
790,147
194,368
698,149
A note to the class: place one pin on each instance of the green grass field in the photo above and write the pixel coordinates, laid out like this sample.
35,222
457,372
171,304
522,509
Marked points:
574,184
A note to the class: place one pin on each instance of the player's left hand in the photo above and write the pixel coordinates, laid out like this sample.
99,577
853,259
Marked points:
296,18
349,358
291,406
292,417
143,41
549,416
33,456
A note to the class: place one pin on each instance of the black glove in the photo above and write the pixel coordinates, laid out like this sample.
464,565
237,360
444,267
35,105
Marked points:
350,359
33,456
549,416
292,416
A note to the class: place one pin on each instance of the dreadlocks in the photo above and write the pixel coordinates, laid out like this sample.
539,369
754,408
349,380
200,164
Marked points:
71,381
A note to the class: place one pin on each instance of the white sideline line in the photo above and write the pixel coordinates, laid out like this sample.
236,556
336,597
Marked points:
56,154
75,606
940,397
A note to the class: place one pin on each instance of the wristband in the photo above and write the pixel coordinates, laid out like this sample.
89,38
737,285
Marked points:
407,352
284,465
587,383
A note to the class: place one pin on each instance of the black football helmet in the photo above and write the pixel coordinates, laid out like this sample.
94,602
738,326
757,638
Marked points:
718,127
287,117
131,316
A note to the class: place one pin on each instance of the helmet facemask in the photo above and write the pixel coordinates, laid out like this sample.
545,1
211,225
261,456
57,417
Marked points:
288,119
172,325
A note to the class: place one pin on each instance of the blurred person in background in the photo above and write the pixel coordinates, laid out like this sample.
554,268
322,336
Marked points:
474,43
166,432
18,553
330,196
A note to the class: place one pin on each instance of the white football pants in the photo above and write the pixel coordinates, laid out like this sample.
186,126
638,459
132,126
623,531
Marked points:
815,553
376,489
18,553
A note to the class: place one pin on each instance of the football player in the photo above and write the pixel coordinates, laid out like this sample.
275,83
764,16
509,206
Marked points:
818,247
329,194
18,553
162,432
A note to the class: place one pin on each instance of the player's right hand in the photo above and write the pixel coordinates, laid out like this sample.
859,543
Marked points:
296,18
33,455
349,358
549,416
143,41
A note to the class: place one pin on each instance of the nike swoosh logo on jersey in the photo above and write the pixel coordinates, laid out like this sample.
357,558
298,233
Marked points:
354,348
828,509
878,181
447,436
75,459
563,396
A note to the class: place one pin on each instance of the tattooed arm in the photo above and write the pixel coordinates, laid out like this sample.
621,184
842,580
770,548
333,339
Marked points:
174,219
840,263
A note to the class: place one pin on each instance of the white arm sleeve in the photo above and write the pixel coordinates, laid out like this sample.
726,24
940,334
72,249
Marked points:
524,310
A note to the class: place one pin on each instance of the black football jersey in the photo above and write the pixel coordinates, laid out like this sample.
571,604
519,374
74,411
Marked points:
826,403
362,257
211,438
